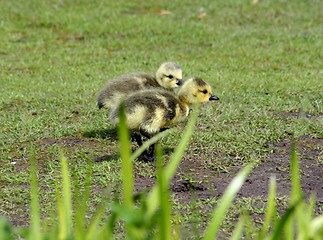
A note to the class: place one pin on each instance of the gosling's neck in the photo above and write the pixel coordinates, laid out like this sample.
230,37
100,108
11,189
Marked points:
185,104
159,77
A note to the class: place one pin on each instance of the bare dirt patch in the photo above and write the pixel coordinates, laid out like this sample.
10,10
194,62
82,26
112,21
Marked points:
207,183
278,164
193,181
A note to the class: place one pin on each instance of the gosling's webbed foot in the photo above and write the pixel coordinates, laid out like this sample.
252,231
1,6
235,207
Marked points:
148,155
164,129
135,137
145,157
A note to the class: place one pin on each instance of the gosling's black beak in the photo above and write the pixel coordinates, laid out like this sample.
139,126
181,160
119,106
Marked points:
180,82
213,97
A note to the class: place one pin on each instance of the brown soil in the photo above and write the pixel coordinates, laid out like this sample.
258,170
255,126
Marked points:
208,183
204,183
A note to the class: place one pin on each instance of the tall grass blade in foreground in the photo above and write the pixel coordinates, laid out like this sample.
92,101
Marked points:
316,228
270,210
225,203
81,206
165,208
5,229
126,163
153,200
237,233
92,232
35,233
159,195
296,193
281,226
127,210
65,203
147,143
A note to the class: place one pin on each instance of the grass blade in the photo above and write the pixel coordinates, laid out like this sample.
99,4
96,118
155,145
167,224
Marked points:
316,228
107,230
66,203
296,193
81,206
271,208
126,163
249,226
225,202
153,198
5,229
92,231
147,143
126,168
280,226
34,218
165,217
295,176
237,232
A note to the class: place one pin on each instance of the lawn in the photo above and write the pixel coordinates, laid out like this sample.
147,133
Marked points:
262,58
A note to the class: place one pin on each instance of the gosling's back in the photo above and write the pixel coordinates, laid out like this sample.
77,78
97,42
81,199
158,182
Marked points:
149,111
120,87
168,76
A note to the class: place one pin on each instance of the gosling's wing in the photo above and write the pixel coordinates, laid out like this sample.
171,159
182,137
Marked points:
170,108
118,88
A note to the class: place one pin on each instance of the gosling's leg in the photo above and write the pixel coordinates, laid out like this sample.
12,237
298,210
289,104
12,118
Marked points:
135,137
149,154
164,129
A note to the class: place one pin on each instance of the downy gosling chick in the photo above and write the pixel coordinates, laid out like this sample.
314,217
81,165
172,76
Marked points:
168,76
152,111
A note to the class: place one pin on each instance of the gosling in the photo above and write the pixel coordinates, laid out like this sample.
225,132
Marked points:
168,77
151,111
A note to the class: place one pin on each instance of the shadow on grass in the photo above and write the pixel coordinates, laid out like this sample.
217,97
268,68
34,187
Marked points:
107,158
102,133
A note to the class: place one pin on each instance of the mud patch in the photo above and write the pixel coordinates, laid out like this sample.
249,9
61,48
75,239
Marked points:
278,165
209,183
186,186
194,181
144,184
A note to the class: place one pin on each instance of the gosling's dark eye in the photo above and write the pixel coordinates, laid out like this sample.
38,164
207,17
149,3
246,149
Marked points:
170,76
204,91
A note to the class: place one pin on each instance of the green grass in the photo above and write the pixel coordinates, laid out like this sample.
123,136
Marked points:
140,219
263,60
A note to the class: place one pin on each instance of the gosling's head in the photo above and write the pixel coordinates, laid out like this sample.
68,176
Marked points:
169,75
195,90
